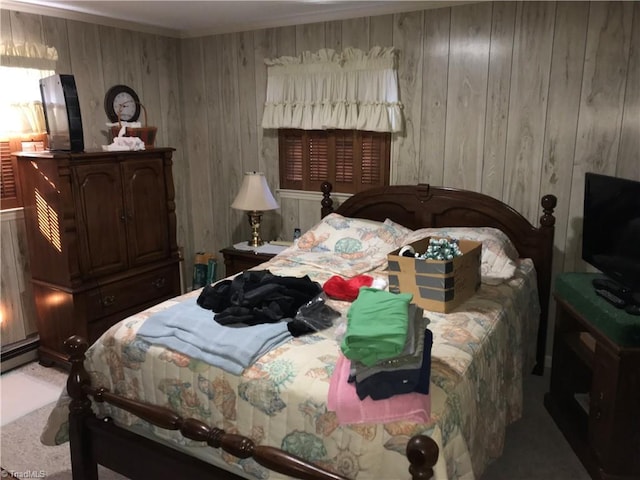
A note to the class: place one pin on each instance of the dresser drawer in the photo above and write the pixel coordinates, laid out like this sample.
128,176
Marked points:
109,299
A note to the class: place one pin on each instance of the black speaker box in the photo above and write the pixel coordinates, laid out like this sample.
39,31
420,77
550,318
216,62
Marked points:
62,113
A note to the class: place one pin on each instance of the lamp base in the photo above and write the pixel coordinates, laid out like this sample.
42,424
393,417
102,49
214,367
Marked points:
255,217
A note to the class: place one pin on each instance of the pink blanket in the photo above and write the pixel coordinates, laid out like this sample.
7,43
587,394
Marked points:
344,400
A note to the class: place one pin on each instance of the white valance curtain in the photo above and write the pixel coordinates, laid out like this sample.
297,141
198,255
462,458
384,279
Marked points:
352,90
27,53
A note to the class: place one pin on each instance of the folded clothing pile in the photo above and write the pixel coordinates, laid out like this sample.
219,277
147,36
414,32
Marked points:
387,347
377,324
405,373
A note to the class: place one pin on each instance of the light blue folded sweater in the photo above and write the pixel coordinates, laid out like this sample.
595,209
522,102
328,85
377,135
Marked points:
190,329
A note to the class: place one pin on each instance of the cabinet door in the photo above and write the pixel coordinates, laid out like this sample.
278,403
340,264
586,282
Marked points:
101,218
602,411
145,200
614,430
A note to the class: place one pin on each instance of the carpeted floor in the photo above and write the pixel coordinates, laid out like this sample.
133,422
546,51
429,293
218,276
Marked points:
21,452
22,394
534,450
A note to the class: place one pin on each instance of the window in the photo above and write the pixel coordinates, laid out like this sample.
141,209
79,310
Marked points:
352,160
21,125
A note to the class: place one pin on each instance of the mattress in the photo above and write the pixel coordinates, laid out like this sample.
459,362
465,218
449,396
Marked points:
479,356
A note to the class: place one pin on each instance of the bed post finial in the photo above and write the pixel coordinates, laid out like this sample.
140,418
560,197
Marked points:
76,347
422,453
548,203
327,202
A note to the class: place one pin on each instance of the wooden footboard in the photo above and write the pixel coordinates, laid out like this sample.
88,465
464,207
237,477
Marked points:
95,441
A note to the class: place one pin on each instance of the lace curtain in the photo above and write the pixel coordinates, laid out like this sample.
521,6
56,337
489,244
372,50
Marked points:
22,68
352,90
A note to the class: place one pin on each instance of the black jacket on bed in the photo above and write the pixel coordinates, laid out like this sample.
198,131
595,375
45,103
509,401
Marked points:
254,297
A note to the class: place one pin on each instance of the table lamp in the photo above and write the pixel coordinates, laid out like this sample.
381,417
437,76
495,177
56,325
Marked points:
254,197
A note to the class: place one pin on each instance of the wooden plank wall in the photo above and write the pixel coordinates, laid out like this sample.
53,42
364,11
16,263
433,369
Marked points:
514,99
17,309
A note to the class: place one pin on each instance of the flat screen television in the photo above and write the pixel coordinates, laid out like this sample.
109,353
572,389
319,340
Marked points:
62,113
611,229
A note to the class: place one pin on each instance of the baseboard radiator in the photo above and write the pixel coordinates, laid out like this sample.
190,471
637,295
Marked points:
19,353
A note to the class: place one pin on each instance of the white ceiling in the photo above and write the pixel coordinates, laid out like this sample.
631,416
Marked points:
199,18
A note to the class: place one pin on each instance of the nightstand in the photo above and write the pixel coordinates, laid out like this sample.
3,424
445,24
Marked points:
595,379
236,260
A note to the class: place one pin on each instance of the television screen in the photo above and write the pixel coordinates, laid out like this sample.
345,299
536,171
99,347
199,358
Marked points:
62,113
611,230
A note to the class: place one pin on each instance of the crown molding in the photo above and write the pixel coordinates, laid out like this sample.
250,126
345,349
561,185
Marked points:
337,12
88,18
367,9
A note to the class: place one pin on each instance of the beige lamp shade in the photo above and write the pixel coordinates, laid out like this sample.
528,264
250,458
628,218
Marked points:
254,194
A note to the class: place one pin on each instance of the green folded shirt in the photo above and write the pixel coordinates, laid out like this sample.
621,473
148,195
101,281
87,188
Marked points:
411,356
377,324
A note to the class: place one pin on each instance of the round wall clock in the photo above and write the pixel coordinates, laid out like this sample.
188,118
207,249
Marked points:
123,100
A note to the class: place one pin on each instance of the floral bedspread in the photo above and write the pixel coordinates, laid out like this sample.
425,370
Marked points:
479,356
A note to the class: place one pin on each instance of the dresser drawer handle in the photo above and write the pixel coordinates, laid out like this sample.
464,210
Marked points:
108,300
159,282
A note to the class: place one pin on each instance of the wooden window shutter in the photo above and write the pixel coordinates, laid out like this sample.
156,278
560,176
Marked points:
344,157
10,193
351,160
291,159
372,159
318,162
10,196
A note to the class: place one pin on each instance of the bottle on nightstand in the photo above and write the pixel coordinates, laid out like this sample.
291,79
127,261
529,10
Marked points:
201,269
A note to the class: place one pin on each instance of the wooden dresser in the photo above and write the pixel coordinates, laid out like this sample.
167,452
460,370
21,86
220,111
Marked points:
101,231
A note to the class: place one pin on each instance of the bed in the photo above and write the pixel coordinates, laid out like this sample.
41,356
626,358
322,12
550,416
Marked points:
271,420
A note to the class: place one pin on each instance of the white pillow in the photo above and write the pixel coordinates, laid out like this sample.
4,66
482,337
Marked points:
347,246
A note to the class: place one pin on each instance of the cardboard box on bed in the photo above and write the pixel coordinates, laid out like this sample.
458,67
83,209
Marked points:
437,285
